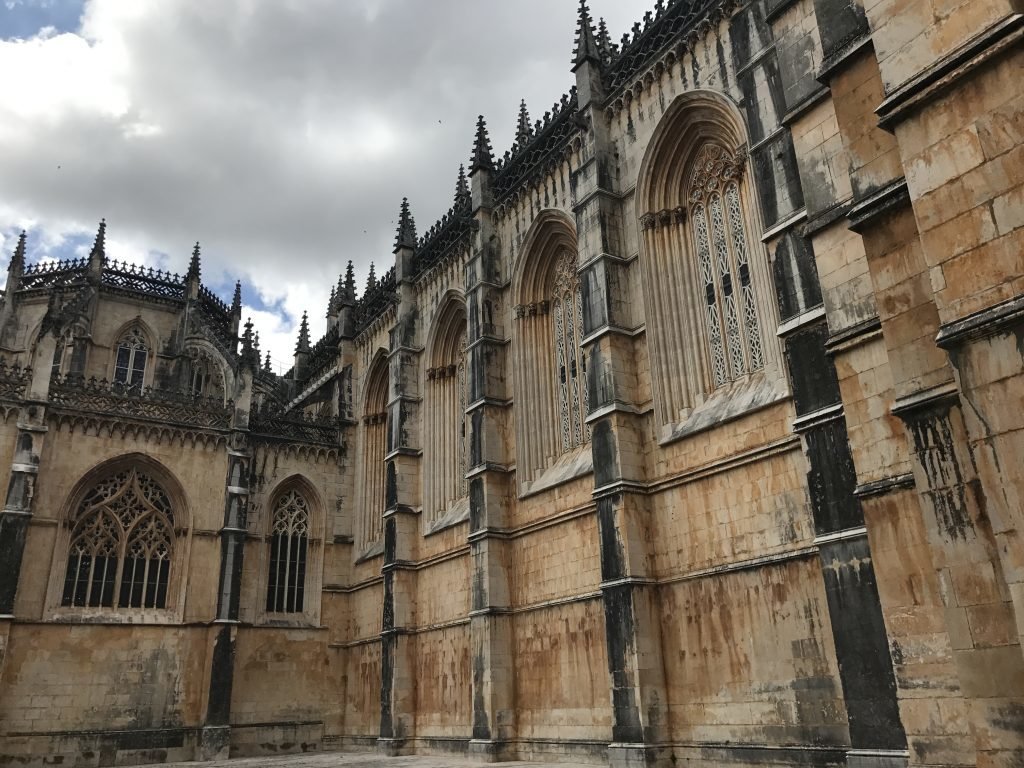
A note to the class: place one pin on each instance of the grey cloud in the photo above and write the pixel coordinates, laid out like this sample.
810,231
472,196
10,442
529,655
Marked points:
286,133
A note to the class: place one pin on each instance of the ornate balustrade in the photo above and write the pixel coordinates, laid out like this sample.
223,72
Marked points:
114,398
13,380
295,425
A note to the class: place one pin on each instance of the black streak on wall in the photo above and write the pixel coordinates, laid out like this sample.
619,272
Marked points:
815,385
832,478
12,548
218,709
865,666
387,675
619,630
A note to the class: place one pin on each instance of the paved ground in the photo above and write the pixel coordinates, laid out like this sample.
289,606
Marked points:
357,760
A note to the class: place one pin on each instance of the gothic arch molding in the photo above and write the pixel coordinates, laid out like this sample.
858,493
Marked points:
708,301
177,516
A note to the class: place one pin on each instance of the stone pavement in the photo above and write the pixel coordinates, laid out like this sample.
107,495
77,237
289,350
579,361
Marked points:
360,760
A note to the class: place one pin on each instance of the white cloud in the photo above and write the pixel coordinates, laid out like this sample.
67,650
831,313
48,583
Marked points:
281,135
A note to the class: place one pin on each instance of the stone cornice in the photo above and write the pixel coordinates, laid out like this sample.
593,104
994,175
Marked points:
981,324
934,81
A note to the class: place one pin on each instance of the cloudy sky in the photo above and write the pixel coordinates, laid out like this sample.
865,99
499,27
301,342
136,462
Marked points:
281,134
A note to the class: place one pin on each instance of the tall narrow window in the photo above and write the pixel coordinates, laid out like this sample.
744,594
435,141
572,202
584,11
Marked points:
720,244
122,540
374,447
445,431
567,308
130,364
289,544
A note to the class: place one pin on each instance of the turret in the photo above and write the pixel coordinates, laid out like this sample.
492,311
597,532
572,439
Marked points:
346,300
587,60
523,130
192,276
302,349
17,266
405,243
236,308
482,166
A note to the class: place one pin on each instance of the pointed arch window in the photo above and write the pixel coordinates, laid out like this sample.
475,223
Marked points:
289,549
130,363
570,366
122,543
723,266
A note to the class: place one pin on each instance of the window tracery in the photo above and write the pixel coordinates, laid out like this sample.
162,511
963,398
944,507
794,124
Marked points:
567,309
720,243
122,541
132,355
289,545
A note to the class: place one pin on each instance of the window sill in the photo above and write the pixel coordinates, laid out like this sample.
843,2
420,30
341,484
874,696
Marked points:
457,513
114,616
728,403
569,466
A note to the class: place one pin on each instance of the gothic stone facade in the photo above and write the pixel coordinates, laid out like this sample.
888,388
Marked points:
691,435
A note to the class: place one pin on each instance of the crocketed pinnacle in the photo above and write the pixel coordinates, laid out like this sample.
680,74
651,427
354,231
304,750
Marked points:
303,343
371,280
586,40
523,125
483,156
99,245
18,259
332,302
236,300
266,363
193,265
350,282
461,186
247,348
604,40
405,235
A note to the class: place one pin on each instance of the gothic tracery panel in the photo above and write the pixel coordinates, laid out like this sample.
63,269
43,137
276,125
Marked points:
289,545
122,541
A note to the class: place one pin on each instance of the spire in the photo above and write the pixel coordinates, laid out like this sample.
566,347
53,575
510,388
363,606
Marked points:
350,281
99,246
256,344
18,259
371,280
248,353
483,158
461,186
266,363
405,236
586,42
193,265
604,41
236,300
332,302
303,343
523,125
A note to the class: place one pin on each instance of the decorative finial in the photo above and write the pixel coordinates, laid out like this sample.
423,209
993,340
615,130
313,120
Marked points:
483,157
405,236
236,300
99,246
18,259
256,343
247,336
266,363
332,302
350,281
604,41
193,265
586,41
371,280
523,125
303,343
461,186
